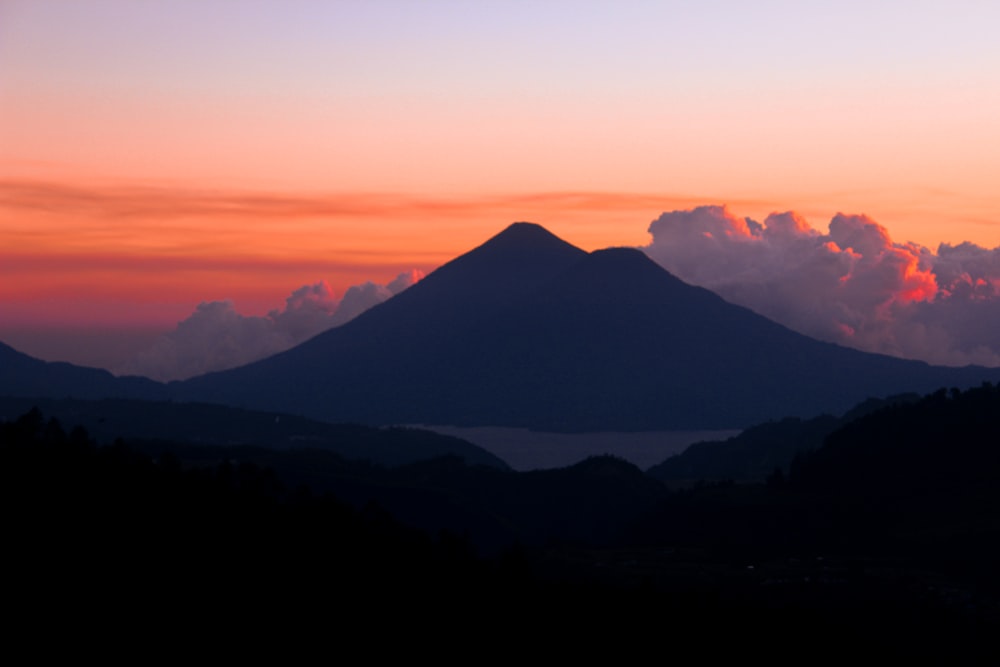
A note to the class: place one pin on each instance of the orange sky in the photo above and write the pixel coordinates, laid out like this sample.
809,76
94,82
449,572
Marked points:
173,248
154,155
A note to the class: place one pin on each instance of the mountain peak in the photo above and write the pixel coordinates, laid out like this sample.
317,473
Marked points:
520,257
525,243
619,254
524,225
525,235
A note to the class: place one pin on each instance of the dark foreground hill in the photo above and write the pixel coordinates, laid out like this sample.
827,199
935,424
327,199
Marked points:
806,561
529,331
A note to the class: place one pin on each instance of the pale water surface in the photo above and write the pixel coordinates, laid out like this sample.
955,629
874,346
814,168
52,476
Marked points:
523,449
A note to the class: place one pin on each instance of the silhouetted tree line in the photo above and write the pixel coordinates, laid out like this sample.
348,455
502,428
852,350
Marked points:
155,540
913,478
921,474
82,519
230,536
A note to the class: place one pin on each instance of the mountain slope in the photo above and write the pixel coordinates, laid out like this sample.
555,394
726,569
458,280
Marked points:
527,330
22,375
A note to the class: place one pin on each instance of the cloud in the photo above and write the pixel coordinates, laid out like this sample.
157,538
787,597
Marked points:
216,337
404,280
160,202
852,285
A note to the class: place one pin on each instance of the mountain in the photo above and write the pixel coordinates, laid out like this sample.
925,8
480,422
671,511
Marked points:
529,331
22,375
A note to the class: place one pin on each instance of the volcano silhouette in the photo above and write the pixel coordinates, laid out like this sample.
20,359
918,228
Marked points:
527,330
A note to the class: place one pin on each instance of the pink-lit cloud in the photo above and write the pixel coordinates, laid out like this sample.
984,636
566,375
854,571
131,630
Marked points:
852,285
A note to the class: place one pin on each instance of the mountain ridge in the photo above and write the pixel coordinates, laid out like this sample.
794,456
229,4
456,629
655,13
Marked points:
24,375
527,330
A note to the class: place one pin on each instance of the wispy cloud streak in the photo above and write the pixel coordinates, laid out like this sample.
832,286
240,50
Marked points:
149,202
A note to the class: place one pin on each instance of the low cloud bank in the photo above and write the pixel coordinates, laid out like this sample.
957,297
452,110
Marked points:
216,337
852,285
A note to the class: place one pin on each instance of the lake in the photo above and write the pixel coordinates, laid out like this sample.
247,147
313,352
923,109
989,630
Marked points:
524,449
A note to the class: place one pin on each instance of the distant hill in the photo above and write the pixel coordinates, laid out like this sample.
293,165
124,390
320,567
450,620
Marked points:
928,452
22,375
756,453
529,331
748,457
216,425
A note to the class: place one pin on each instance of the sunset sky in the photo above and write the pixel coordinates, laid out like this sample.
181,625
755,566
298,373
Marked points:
155,155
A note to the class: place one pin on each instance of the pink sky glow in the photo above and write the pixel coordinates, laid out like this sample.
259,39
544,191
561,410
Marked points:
157,155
